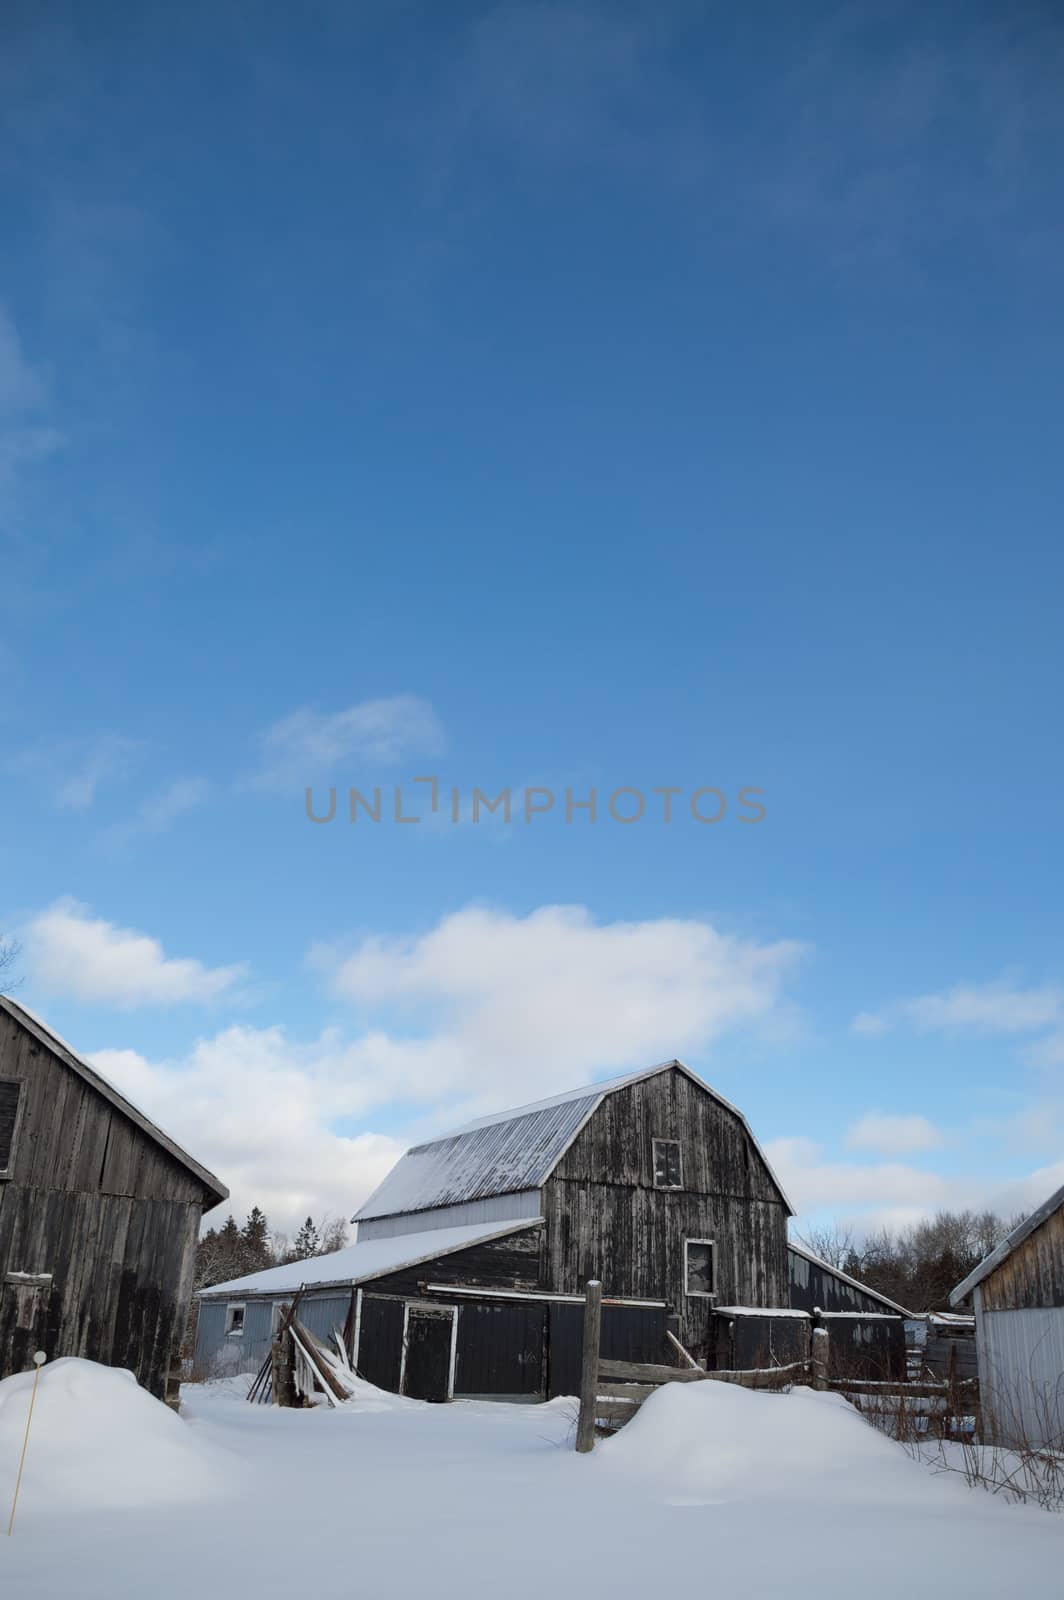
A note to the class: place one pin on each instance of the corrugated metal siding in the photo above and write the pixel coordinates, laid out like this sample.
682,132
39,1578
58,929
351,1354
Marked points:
499,1158
219,1354
513,1207
1021,1374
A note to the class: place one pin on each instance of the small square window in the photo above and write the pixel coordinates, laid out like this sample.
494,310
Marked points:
234,1320
668,1168
698,1266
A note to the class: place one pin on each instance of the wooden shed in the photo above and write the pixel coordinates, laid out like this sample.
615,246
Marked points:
1018,1296
99,1213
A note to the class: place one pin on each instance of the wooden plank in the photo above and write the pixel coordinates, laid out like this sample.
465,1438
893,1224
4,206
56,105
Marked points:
627,1391
914,1391
611,1409
763,1377
686,1354
821,1358
590,1367
647,1372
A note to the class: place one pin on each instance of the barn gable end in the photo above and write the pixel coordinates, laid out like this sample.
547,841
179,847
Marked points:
99,1213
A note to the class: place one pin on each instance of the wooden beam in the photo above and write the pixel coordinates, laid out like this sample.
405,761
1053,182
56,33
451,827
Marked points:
626,1391
688,1357
614,1410
589,1370
821,1358
647,1372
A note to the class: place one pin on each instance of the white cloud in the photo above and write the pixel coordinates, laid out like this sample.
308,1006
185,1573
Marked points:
74,769
258,1109
527,1006
1002,1008
1047,1052
308,745
23,393
990,1008
161,809
892,1193
21,386
67,951
893,1135
870,1023
486,1010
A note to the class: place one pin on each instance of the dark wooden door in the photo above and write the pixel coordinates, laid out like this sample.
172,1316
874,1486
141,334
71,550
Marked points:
380,1341
502,1349
427,1372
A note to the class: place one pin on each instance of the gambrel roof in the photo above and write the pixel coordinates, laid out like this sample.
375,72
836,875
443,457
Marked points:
510,1150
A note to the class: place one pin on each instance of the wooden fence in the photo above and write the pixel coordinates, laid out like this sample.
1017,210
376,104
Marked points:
611,1392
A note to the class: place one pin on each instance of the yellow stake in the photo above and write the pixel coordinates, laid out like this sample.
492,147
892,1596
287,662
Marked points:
38,1362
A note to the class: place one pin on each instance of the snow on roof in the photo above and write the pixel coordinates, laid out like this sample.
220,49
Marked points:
760,1311
1022,1231
216,1191
359,1262
509,1150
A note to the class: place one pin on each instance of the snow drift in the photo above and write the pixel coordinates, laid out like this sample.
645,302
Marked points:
98,1440
719,1442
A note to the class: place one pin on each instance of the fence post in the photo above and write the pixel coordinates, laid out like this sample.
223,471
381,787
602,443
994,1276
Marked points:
820,1358
585,1427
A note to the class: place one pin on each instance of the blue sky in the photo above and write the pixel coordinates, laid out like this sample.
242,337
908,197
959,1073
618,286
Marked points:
542,396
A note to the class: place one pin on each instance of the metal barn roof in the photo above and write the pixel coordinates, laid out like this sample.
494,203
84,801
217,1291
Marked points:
508,1151
1022,1231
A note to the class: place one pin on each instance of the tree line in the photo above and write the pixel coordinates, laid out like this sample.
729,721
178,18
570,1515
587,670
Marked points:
917,1265
232,1251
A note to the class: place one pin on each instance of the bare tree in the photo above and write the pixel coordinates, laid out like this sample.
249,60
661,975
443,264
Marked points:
9,952
918,1265
832,1244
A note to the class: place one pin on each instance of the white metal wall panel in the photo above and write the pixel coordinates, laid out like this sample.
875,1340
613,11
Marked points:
496,1208
1021,1374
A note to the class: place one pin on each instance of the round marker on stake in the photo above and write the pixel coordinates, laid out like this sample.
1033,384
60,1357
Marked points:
38,1362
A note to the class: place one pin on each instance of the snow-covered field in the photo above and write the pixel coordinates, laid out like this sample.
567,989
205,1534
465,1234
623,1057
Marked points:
710,1487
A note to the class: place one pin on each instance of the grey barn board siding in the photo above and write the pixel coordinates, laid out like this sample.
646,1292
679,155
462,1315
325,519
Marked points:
606,1219
92,1199
939,1357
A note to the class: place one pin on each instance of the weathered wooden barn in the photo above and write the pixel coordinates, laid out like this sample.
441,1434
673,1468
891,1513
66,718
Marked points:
99,1213
468,1272
1018,1296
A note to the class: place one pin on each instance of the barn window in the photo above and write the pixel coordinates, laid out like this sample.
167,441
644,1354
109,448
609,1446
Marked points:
234,1320
10,1094
668,1168
698,1266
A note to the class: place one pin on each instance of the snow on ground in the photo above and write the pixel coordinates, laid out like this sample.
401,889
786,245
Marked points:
709,1486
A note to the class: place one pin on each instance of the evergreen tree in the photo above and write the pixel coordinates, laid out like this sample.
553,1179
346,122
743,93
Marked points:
307,1241
256,1240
